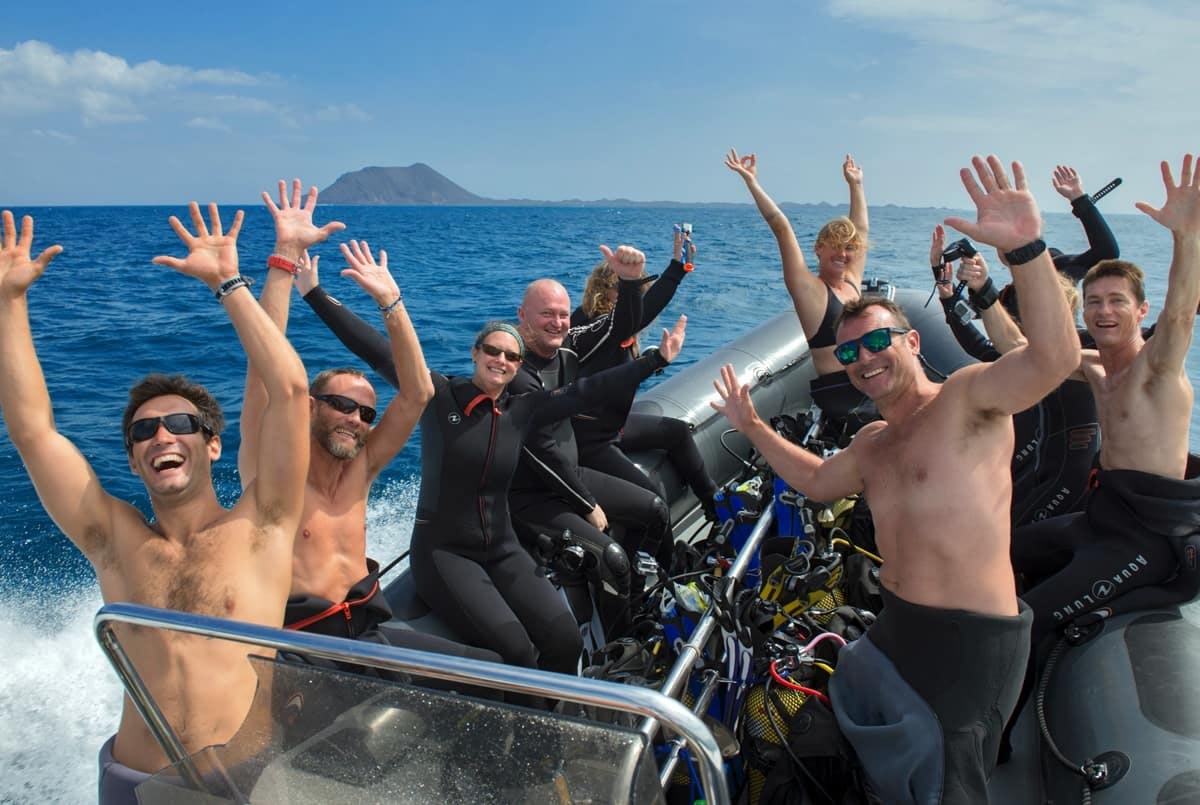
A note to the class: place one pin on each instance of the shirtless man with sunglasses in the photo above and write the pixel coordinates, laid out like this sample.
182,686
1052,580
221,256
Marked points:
335,587
947,656
195,556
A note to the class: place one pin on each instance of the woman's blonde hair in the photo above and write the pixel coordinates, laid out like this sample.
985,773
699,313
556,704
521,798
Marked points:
841,231
595,290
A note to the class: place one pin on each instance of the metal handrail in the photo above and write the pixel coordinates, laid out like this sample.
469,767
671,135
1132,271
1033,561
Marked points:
693,649
593,692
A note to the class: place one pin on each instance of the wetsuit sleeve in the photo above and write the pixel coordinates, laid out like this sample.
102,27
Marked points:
1102,244
620,324
588,392
543,455
359,337
973,342
659,294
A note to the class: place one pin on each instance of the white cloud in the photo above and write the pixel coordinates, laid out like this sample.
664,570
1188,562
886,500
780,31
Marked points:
55,134
99,106
101,87
210,123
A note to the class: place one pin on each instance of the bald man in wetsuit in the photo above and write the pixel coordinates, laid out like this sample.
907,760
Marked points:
924,694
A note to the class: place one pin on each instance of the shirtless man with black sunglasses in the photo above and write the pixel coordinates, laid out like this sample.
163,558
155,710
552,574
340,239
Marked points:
196,555
335,587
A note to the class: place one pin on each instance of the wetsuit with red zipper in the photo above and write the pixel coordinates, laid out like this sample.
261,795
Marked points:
466,559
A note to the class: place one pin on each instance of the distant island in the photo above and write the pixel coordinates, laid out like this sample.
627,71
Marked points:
419,184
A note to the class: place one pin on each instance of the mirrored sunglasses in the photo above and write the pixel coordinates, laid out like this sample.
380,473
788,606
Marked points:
345,405
875,341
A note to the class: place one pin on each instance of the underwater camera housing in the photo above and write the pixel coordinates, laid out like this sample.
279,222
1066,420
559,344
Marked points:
958,250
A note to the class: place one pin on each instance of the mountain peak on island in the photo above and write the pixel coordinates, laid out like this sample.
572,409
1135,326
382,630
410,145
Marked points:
416,184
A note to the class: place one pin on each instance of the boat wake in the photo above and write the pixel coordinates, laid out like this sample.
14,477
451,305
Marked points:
59,697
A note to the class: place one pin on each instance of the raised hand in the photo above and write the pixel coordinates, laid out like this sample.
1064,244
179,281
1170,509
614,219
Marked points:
937,245
294,227
374,277
1181,211
18,269
1067,182
746,167
306,272
1007,216
672,340
735,403
851,171
974,272
626,262
212,254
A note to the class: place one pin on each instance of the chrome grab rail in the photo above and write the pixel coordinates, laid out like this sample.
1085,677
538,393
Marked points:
693,649
627,698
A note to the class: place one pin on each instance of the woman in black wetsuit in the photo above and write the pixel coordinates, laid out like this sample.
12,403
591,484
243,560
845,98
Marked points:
841,250
466,560
606,433
1055,443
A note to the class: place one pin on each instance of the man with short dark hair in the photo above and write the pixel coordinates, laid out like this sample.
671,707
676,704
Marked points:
929,730
1144,502
195,556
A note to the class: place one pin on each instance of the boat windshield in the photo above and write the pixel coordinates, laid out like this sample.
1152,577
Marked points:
321,736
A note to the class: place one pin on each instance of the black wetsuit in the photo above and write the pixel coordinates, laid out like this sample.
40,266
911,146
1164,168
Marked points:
924,694
1129,537
468,564
375,348
551,492
606,433
1055,443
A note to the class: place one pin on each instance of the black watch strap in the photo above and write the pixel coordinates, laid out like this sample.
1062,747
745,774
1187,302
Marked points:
986,296
1024,254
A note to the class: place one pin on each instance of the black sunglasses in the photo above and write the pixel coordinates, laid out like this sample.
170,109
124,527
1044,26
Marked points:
179,424
345,405
875,341
495,352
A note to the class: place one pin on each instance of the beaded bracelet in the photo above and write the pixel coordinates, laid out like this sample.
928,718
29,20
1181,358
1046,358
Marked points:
387,310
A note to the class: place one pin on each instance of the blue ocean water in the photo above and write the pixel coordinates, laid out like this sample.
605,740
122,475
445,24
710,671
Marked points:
103,316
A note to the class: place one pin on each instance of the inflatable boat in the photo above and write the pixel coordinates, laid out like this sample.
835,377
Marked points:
687,711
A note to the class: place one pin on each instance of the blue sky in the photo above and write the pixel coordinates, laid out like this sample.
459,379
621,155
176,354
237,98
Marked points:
160,103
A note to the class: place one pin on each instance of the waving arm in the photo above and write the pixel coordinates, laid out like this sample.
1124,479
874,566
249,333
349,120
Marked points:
281,461
1008,219
808,293
1167,350
295,233
65,481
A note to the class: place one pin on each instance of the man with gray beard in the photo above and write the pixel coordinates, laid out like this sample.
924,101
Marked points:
335,587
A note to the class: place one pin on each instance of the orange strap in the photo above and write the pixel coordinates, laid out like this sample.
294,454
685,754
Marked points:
343,607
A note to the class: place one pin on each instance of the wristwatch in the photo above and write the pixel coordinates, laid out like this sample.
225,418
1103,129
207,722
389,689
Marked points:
1024,254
